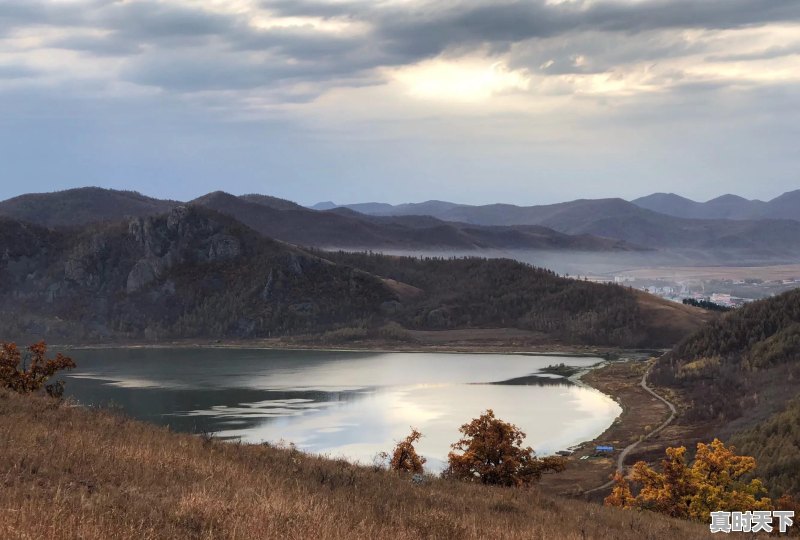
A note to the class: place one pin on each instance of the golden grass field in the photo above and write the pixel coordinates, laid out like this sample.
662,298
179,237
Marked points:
71,472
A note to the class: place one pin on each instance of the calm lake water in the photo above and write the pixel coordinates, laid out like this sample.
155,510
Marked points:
350,404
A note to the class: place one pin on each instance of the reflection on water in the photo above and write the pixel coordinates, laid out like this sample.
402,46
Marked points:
351,404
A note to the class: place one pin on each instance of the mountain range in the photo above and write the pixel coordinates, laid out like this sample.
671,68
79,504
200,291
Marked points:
284,220
627,221
195,273
603,225
786,206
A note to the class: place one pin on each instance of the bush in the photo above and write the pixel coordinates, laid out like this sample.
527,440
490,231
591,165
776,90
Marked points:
491,452
405,457
29,374
716,481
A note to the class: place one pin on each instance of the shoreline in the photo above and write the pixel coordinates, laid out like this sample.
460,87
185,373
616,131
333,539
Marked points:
552,349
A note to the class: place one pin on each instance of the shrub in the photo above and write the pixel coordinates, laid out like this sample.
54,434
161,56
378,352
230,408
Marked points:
491,452
30,373
405,457
715,481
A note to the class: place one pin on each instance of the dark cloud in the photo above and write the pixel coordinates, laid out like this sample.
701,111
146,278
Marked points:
224,51
429,29
110,45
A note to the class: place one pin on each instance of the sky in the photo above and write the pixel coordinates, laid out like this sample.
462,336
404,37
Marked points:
473,101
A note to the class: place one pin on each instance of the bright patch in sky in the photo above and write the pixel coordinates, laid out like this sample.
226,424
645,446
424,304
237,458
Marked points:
461,80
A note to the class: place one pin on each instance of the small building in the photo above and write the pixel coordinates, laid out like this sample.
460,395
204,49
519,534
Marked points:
604,449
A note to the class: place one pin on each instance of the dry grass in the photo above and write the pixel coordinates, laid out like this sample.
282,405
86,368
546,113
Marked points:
69,472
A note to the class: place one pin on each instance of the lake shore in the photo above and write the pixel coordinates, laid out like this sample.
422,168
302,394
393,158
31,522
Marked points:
477,341
641,414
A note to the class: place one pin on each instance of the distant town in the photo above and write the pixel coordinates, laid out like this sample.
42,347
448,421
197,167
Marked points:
729,293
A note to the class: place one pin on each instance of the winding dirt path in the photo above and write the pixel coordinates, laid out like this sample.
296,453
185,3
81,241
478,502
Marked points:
628,449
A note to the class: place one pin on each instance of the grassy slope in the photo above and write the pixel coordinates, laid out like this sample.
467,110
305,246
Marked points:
69,472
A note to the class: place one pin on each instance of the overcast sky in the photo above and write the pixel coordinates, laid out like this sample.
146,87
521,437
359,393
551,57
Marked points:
474,101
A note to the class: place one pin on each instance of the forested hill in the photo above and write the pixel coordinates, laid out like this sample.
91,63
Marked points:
474,292
760,335
195,273
724,363
739,374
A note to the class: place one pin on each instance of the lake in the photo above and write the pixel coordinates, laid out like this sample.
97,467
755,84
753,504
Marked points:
343,404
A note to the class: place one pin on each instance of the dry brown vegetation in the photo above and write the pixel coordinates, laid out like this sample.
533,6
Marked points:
491,452
70,472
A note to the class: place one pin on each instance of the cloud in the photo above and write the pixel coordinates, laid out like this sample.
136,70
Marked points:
370,93
295,45
12,71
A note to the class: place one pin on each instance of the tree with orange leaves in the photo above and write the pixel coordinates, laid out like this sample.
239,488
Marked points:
405,457
714,482
29,374
491,452
621,492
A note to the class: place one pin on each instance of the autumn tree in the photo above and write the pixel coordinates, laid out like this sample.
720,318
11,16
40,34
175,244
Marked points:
405,457
621,492
715,481
29,373
491,452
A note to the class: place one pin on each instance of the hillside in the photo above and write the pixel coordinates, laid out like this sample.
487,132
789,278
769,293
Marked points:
738,374
622,220
76,207
503,293
111,477
196,273
179,274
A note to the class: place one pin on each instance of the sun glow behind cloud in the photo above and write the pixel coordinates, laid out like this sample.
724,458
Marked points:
465,81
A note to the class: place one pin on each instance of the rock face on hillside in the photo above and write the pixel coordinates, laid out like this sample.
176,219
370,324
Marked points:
190,272
183,239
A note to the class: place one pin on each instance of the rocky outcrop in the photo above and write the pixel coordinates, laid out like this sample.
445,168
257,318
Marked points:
185,235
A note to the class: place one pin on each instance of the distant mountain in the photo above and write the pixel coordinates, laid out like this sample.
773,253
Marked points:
196,273
622,220
669,204
346,228
787,206
326,205
287,221
81,206
584,224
